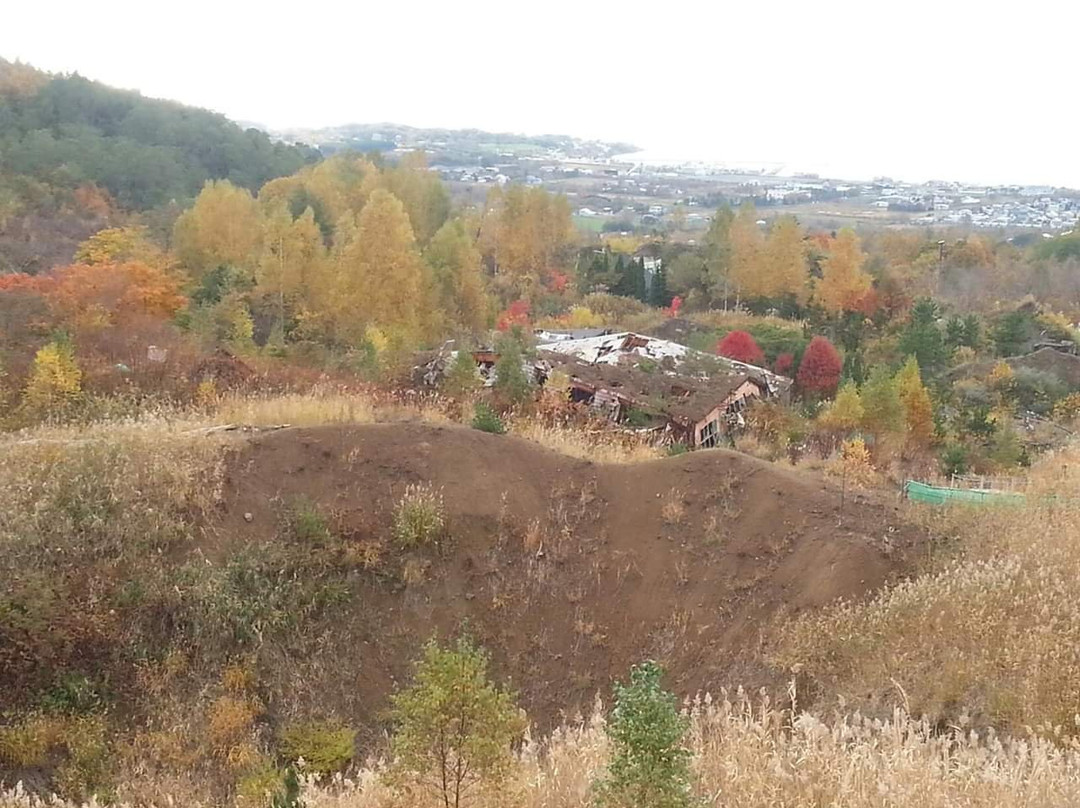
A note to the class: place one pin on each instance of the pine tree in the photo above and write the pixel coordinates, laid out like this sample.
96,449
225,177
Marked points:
650,763
658,291
454,727
922,338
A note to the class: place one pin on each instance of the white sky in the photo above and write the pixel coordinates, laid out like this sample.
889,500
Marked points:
974,91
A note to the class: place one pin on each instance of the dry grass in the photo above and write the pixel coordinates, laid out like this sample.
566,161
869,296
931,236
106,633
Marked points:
326,407
597,445
990,631
747,754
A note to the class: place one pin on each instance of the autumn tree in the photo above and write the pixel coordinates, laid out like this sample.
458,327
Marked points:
717,257
117,245
525,233
844,282
223,227
747,245
453,726
740,345
819,370
292,261
883,412
55,379
783,261
381,280
915,399
421,192
845,413
459,277
106,294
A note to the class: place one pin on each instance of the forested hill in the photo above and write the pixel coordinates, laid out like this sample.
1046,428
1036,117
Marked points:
67,130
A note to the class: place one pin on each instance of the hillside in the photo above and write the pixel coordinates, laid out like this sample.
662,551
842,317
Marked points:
63,137
283,558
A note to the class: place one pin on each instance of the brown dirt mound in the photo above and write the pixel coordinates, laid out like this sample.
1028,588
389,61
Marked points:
567,571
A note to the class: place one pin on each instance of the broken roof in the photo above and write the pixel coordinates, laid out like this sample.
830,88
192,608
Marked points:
682,397
627,347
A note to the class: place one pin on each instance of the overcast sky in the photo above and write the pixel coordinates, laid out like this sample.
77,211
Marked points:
973,91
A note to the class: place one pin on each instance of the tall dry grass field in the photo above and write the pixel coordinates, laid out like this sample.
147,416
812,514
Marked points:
988,634
748,754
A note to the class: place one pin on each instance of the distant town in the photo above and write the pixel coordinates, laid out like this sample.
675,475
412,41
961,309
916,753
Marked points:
610,190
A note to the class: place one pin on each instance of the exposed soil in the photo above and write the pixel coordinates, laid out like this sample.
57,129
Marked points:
567,571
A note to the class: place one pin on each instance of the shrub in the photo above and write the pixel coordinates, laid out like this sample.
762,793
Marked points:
324,747
740,346
487,420
650,763
419,519
819,370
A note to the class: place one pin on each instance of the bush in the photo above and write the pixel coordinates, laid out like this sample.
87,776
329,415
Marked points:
487,420
324,747
419,519
650,764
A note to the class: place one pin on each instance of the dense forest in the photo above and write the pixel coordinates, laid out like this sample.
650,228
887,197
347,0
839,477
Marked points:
73,152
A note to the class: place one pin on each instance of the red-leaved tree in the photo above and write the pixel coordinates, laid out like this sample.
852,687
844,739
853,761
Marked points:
784,364
819,371
739,345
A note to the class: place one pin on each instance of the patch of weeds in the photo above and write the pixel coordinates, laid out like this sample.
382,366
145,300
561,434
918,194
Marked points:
419,517
325,747
677,448
73,694
309,525
487,420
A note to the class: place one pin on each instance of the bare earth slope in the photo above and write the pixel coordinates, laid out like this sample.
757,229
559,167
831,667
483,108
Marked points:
567,571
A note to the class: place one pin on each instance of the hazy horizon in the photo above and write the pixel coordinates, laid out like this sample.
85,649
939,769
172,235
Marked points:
963,92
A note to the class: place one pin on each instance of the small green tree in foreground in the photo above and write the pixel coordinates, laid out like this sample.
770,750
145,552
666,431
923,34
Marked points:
650,764
455,728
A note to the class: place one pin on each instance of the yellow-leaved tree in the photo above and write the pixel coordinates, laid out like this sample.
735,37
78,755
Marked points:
381,280
747,245
918,409
843,281
459,279
223,228
55,379
291,262
120,245
525,232
783,265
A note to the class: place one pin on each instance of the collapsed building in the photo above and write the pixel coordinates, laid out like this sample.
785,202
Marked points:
642,382
694,397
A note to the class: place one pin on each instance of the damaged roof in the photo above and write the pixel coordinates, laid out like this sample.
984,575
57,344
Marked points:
682,397
627,347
